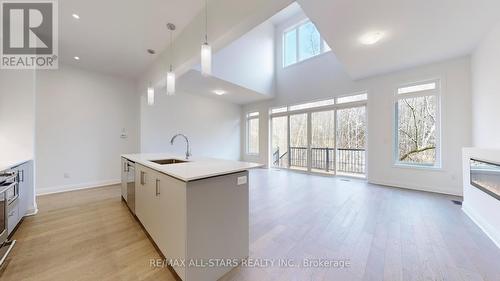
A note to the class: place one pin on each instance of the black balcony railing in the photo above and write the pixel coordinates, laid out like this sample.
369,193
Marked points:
351,160
347,160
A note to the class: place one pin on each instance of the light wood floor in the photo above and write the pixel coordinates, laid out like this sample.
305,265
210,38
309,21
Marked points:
385,233
82,235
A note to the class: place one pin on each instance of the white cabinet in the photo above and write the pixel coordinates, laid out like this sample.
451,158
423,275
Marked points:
141,197
195,220
26,189
161,208
145,199
13,217
172,214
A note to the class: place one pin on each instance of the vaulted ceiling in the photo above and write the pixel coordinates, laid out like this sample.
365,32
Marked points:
112,36
416,31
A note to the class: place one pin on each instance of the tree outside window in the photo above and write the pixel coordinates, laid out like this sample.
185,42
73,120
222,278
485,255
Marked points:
302,42
417,125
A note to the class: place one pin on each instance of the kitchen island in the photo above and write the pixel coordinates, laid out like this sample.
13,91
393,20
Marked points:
196,211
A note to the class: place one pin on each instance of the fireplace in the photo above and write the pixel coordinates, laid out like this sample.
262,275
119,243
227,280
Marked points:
485,176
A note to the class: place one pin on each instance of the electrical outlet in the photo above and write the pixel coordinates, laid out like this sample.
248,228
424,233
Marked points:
242,180
124,135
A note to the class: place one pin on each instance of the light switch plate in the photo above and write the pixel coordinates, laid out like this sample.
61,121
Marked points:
242,180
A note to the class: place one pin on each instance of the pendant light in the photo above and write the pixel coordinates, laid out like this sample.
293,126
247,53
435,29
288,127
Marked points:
171,73
206,49
151,95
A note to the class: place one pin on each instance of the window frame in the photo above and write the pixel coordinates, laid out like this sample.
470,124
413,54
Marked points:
296,28
437,93
284,111
252,115
287,109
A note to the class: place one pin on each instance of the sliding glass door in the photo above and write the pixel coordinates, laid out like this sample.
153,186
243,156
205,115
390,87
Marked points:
298,142
326,137
351,141
322,149
279,141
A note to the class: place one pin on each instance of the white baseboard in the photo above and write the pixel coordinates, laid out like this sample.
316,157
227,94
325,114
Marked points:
483,225
414,187
31,212
73,187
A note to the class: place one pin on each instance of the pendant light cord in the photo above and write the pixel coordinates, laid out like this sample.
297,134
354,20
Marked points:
171,50
206,21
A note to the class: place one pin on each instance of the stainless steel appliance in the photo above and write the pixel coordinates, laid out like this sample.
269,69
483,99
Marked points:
3,215
9,193
131,185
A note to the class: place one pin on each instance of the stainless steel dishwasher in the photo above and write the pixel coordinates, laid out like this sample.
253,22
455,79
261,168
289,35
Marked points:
131,185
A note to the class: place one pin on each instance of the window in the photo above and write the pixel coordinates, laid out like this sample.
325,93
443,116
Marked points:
279,110
417,88
417,124
309,41
290,48
253,133
360,97
302,42
354,98
312,104
325,136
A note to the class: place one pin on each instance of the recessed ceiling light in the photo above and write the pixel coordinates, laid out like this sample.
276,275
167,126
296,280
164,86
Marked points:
76,58
371,38
219,92
75,16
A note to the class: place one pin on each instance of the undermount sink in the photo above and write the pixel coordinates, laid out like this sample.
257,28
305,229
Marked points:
168,161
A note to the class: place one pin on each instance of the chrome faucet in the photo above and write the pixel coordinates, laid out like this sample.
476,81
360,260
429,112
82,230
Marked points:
188,151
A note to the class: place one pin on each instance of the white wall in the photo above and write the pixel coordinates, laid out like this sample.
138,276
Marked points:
324,77
249,60
212,126
17,115
486,91
314,78
228,20
455,127
79,119
17,120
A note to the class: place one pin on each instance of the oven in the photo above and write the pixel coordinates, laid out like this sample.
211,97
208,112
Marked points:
9,193
3,216
11,186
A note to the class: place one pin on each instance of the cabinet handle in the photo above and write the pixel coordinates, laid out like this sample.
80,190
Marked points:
143,177
157,187
22,176
125,166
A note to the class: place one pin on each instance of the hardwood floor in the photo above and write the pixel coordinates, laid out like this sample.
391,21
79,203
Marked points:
384,233
82,235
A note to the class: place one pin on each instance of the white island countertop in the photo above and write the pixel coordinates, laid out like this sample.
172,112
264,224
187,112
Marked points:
8,164
196,168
